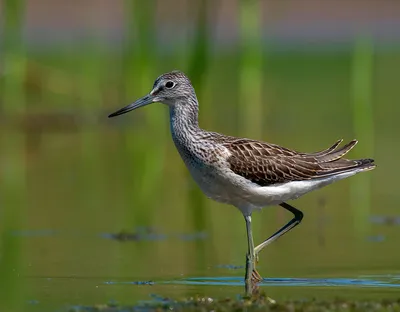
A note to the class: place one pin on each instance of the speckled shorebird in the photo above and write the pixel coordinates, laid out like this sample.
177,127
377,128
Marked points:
245,173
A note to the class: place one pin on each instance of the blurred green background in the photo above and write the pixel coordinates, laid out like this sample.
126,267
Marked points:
301,74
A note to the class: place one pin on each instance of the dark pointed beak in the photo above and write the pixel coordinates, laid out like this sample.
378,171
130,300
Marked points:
146,100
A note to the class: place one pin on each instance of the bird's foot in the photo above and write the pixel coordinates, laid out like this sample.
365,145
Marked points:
256,277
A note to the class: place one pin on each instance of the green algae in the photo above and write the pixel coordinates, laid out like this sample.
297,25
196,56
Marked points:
258,302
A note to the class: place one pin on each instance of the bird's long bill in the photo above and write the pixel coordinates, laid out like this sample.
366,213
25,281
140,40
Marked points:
148,99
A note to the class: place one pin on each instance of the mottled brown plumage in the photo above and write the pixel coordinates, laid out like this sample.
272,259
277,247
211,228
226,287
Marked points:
247,174
267,164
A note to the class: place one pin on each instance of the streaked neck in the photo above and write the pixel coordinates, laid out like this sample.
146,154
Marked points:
185,114
184,121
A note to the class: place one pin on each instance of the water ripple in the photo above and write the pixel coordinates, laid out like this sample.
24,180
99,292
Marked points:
387,281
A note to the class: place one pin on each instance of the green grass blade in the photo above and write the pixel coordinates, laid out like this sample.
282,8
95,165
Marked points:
363,129
12,159
251,106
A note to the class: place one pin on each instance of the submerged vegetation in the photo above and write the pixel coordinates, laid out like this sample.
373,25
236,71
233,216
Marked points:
258,303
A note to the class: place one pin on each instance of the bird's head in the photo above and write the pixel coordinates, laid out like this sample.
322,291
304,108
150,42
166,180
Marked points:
172,88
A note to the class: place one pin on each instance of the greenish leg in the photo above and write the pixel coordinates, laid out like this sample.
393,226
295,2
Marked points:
298,216
252,275
250,256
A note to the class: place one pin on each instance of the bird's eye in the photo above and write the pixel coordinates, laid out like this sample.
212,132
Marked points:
170,84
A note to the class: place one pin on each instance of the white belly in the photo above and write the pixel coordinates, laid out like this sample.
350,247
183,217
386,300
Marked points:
213,184
227,187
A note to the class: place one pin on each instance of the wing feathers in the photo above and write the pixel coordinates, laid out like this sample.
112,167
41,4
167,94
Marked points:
267,164
326,151
334,155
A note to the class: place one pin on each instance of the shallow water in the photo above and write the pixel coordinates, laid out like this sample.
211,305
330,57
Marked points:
107,211
65,292
85,269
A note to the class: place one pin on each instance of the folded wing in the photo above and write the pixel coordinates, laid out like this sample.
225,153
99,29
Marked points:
267,164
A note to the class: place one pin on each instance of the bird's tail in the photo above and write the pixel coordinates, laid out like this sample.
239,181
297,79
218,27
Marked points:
331,160
332,153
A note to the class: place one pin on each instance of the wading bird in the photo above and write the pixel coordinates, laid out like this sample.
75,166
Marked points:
245,173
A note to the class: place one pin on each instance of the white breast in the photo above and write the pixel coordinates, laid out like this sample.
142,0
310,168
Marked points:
227,187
